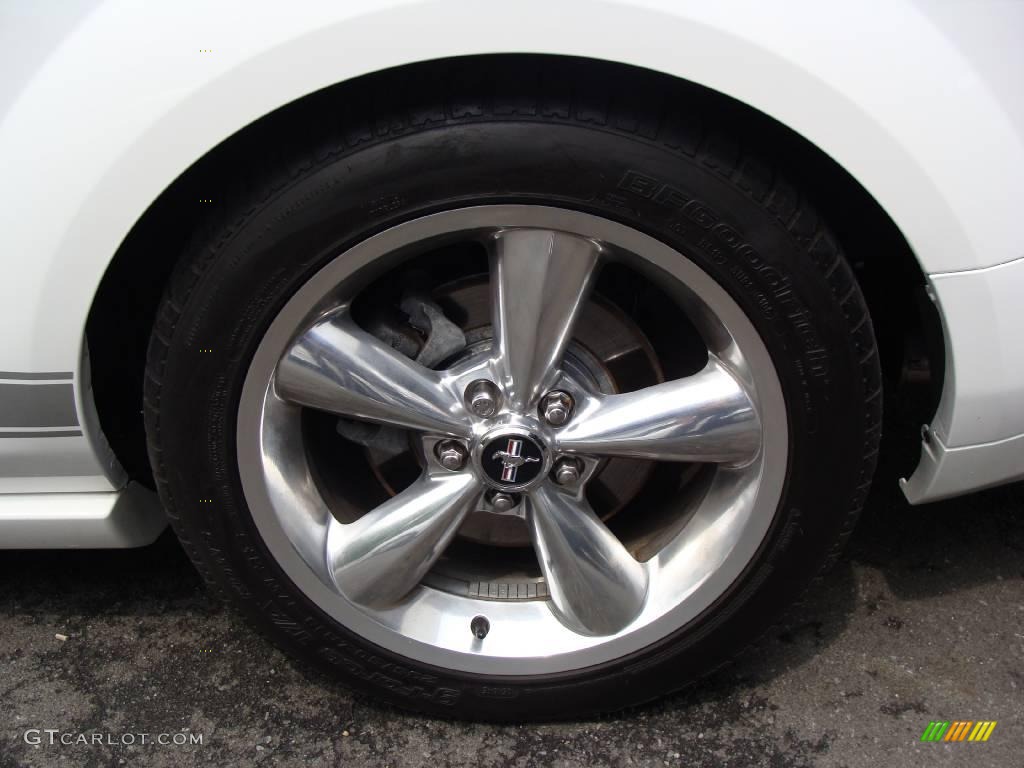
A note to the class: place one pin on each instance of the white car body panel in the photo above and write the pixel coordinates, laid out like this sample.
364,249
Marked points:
103,103
55,520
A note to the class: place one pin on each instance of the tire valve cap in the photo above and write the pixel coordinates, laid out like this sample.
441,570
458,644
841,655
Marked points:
480,626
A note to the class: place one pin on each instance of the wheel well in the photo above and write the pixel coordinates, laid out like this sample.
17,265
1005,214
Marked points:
121,318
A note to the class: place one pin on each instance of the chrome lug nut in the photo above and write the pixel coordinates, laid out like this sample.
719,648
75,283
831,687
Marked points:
483,398
451,455
503,502
556,407
567,472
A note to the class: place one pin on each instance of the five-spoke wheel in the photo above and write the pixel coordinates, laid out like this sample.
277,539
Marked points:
511,427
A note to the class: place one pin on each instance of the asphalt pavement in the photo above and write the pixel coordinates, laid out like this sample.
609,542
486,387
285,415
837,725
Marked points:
922,620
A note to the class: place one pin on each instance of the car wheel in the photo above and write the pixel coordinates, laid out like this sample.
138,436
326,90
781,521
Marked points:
513,413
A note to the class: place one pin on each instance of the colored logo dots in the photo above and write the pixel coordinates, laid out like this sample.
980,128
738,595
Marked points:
958,730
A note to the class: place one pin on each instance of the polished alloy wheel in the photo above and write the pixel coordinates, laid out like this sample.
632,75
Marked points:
514,426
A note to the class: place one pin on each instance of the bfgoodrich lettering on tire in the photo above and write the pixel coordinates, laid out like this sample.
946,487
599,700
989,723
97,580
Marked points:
512,412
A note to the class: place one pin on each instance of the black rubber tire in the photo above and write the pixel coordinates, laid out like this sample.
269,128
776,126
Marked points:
630,151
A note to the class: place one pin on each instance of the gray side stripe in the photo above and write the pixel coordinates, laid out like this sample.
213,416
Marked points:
38,405
37,376
59,433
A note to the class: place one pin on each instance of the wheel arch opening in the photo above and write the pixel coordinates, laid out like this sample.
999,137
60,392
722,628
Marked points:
120,321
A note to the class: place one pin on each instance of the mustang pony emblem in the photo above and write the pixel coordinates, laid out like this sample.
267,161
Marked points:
512,459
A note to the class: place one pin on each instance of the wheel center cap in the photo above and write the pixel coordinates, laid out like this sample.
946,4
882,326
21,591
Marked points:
512,459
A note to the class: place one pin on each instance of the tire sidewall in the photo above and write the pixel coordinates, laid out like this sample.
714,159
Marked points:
228,290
